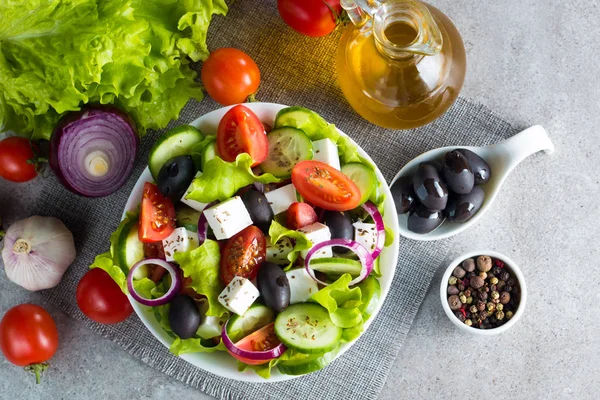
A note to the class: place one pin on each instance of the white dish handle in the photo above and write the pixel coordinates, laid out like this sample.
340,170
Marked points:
524,144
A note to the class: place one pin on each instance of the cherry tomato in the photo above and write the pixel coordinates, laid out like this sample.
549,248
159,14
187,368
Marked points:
300,215
28,335
230,76
261,340
157,218
101,299
240,131
324,186
15,152
310,17
243,254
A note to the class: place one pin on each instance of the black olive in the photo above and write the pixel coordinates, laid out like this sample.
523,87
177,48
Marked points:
481,169
463,206
403,194
429,188
457,173
340,226
273,286
259,209
184,316
435,164
176,176
422,220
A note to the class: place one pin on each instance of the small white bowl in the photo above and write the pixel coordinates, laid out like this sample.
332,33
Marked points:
511,266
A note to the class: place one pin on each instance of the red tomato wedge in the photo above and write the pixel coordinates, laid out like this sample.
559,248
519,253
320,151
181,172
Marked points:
240,131
157,218
263,339
324,186
243,254
300,215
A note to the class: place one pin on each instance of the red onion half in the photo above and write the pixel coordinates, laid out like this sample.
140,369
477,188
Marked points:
379,226
366,260
92,151
176,282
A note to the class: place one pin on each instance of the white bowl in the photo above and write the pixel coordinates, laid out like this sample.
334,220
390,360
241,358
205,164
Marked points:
221,363
511,266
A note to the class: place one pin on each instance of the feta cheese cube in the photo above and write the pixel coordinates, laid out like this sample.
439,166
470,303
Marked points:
280,199
239,295
326,151
317,233
196,205
277,253
365,234
181,240
228,218
210,326
302,286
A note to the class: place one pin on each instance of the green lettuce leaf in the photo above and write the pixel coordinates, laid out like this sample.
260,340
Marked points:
301,241
194,345
341,301
202,266
56,56
221,179
145,287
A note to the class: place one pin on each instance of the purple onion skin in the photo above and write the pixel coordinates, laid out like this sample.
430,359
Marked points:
73,116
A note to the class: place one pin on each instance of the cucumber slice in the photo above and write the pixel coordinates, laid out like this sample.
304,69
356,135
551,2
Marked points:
336,265
256,317
306,120
364,177
307,327
130,250
176,142
187,218
287,146
210,152
306,363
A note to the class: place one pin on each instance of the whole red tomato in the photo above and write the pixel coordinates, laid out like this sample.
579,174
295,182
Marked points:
15,152
28,337
101,299
230,76
310,17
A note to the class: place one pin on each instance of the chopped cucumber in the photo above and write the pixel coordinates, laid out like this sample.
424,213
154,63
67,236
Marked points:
364,177
210,152
307,121
186,217
256,317
302,364
130,250
176,142
336,265
287,147
307,327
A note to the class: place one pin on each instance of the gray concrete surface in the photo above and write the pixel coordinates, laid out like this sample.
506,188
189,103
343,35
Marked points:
532,62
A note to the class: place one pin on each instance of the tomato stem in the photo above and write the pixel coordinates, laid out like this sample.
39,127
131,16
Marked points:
251,98
37,369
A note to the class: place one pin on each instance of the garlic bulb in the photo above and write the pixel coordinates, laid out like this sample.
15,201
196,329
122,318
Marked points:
37,252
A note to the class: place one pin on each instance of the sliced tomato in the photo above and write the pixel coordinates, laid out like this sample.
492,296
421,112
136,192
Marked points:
324,186
243,254
240,131
263,339
300,215
157,218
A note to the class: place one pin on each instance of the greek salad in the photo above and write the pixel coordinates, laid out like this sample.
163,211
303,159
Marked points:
261,242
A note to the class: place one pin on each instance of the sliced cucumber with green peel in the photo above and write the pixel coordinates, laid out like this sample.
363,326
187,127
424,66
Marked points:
336,265
287,147
364,177
306,363
130,250
187,218
307,327
176,142
257,316
210,152
308,121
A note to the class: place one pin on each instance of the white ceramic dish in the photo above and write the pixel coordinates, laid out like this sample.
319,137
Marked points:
511,266
221,363
502,157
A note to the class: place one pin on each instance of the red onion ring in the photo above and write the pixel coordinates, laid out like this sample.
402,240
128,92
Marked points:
176,282
104,130
366,260
379,226
203,223
251,355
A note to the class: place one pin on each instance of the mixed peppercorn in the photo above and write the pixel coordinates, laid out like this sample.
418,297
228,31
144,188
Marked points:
482,293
